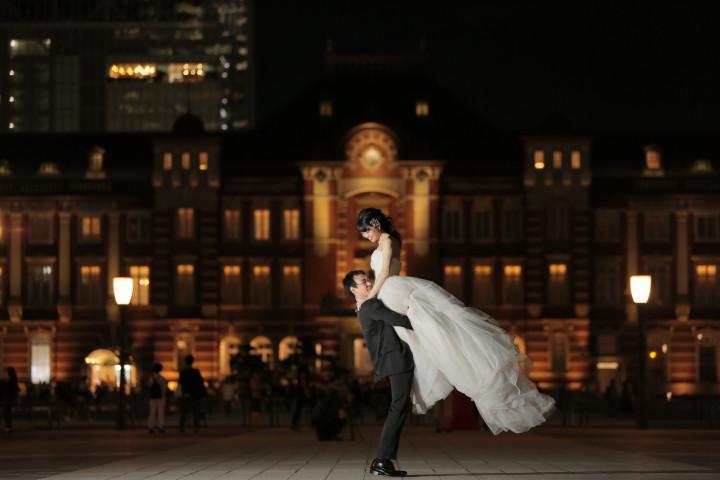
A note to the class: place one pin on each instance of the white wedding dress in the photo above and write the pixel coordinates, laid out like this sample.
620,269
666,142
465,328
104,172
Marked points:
457,346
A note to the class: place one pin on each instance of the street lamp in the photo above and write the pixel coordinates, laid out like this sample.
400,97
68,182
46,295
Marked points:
640,290
122,288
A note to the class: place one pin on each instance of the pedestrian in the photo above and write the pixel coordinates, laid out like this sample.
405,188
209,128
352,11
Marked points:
158,391
192,388
228,391
10,391
391,358
301,393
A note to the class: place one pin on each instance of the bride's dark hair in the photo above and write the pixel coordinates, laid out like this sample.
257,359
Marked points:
373,217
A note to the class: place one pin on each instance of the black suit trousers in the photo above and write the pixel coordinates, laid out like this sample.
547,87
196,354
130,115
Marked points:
400,385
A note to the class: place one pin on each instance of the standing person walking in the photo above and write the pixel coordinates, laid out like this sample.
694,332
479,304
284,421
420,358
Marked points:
193,390
158,391
391,358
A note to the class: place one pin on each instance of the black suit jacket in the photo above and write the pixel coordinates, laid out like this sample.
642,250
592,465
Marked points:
389,354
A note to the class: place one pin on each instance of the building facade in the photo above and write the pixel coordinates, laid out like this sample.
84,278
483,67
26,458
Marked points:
240,241
88,66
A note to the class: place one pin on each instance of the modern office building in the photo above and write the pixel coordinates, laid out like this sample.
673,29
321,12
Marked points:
242,239
102,66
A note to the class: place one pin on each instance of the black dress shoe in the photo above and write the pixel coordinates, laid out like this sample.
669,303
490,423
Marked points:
385,467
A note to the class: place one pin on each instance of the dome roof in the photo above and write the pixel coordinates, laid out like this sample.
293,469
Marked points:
188,124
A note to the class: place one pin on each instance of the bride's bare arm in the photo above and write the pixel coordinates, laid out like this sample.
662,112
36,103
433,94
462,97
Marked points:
385,245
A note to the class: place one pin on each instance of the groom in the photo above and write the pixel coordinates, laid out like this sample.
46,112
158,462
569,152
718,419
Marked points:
390,357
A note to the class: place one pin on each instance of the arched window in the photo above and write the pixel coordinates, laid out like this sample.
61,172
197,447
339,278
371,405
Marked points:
229,347
289,346
262,346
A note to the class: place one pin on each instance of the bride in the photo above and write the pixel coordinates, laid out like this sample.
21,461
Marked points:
453,345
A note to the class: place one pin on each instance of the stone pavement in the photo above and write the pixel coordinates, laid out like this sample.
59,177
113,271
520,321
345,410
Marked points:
229,452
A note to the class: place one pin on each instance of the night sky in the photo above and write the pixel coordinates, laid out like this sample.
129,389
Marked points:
593,65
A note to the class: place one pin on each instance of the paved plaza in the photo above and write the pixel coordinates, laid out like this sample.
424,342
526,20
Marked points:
277,453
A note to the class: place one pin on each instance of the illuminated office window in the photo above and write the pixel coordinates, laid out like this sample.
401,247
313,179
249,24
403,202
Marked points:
326,108
141,284
291,224
261,224
652,159
167,161
185,161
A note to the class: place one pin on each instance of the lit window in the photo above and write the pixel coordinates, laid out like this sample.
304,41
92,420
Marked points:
48,169
575,159
141,284
483,287
539,159
453,280
231,285
203,161
706,285
186,223
557,285
40,280
40,358
557,159
326,108
702,165
291,219
422,108
232,224
128,71
167,161
260,288
261,224
89,289
90,228
512,285
185,161
185,288
291,283
652,159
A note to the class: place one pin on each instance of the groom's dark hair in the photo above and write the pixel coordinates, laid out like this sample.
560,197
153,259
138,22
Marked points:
349,282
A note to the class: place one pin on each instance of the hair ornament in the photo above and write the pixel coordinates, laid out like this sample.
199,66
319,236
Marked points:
374,222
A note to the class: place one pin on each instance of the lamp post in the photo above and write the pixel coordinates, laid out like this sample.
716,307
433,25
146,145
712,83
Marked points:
122,288
640,290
